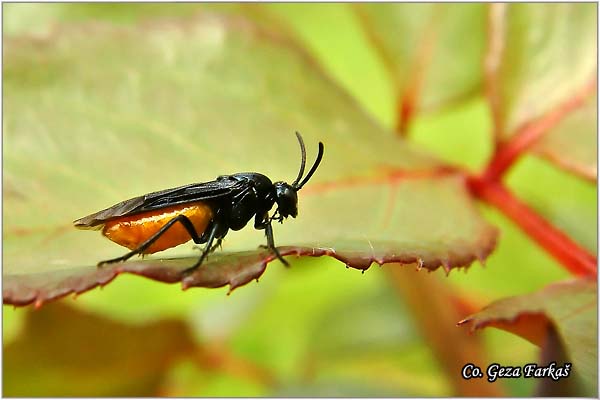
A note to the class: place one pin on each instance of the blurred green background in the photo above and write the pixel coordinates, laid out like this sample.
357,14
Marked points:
319,329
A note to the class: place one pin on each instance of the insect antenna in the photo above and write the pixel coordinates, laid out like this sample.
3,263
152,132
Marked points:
303,162
313,169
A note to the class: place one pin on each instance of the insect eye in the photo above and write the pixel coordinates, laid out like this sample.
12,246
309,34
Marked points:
287,199
291,196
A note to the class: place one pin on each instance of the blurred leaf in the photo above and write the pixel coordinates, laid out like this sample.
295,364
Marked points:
371,340
65,352
187,380
553,351
432,51
40,19
294,300
568,307
569,202
80,132
377,323
516,254
344,52
468,146
541,55
391,373
436,318
332,388
573,143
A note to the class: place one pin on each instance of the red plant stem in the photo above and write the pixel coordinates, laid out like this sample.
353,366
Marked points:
495,46
531,132
409,99
406,110
575,258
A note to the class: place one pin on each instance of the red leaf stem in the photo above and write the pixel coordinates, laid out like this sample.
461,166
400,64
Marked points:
528,134
495,46
409,99
406,110
575,258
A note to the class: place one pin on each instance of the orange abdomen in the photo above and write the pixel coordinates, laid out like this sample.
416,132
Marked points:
132,230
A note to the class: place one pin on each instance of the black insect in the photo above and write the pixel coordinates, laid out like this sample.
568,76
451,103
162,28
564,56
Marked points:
203,212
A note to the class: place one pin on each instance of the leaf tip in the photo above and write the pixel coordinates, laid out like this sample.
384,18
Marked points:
38,304
185,285
420,264
446,266
481,257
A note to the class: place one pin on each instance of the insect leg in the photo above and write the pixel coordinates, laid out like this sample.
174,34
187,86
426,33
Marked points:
271,243
218,244
182,219
212,249
207,249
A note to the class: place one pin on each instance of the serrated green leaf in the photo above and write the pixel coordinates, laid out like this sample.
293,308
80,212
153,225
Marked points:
65,352
433,49
547,54
569,307
573,143
175,102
